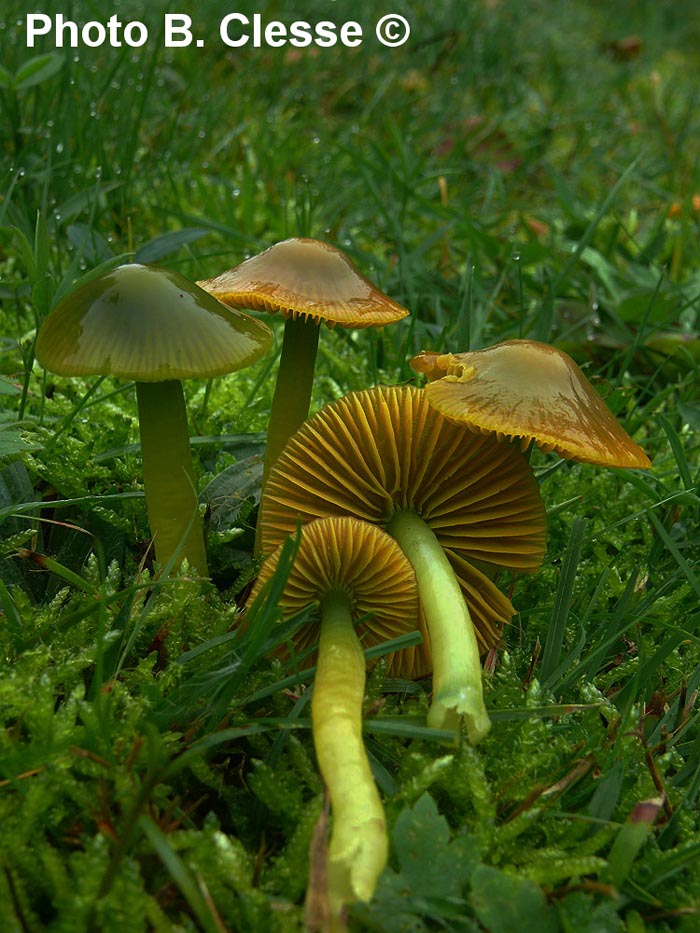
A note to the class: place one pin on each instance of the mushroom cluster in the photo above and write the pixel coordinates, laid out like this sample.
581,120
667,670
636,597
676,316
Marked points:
460,505
410,500
155,327
444,472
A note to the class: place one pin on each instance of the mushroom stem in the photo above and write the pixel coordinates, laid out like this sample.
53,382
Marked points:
292,397
168,475
358,848
457,685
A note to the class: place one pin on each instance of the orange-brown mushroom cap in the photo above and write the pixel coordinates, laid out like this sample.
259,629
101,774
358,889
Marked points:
529,391
306,278
380,450
361,560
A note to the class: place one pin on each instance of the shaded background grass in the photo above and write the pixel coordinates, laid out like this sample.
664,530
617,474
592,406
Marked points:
513,170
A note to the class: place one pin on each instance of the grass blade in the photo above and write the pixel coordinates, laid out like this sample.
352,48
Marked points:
199,902
562,602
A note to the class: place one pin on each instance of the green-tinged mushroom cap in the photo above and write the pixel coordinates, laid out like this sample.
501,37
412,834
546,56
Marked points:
155,327
147,324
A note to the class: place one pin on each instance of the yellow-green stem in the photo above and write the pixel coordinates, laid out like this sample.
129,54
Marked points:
168,475
358,849
292,396
457,685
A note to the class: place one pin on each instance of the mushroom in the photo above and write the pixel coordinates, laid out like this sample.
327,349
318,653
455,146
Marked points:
528,391
351,568
155,327
307,281
460,505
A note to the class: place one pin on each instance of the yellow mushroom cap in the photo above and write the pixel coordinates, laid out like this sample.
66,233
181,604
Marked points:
431,364
306,278
530,391
383,449
361,560
148,324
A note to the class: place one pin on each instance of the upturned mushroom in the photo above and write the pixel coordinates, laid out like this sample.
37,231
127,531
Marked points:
352,569
306,281
460,505
528,391
155,327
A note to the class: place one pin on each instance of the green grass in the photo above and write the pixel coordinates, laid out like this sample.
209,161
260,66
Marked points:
514,170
